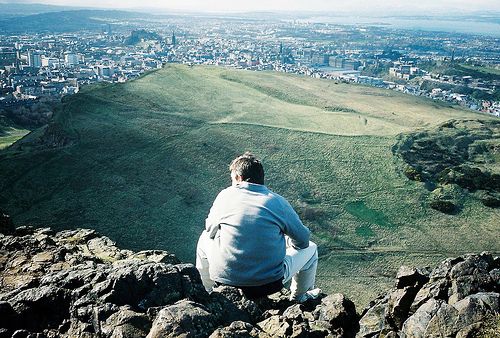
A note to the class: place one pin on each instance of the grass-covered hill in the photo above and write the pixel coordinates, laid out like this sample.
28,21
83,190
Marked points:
141,162
10,132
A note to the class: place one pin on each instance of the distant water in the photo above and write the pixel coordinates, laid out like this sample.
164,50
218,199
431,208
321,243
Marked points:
431,24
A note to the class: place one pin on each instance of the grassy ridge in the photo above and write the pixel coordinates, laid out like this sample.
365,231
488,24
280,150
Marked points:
9,133
148,157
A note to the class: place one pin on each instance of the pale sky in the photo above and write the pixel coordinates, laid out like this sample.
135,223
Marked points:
410,7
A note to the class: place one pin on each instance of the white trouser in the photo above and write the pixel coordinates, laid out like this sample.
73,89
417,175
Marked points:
300,265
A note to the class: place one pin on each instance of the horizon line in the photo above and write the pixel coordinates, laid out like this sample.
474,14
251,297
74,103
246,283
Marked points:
165,10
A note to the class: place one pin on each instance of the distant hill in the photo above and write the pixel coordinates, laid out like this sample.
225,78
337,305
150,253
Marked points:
65,21
142,162
11,9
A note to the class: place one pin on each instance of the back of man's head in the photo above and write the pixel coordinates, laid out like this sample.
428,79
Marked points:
249,168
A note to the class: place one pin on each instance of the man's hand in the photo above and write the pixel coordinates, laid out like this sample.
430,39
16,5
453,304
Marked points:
289,243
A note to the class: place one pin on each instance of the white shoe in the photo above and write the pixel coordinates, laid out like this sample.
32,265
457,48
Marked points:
302,298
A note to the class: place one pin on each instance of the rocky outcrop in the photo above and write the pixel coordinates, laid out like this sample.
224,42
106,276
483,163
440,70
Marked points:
456,299
76,283
450,161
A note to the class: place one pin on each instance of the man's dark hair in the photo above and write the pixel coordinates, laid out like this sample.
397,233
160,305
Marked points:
249,168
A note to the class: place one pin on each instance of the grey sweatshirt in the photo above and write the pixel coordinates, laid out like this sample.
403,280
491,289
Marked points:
248,223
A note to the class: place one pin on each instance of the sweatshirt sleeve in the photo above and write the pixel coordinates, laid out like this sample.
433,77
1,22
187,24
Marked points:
213,219
294,228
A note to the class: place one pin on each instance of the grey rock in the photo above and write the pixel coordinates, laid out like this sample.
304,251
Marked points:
449,320
41,307
444,268
495,279
231,305
398,306
78,284
82,329
87,319
185,318
415,326
294,313
275,327
126,323
75,237
437,290
475,308
237,329
408,276
104,249
156,256
191,284
442,324
471,264
141,285
373,320
470,331
24,230
496,262
71,278
466,285
339,313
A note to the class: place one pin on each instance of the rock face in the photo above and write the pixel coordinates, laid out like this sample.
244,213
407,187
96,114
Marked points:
76,283
453,300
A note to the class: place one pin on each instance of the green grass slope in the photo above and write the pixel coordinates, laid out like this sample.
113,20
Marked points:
142,162
9,132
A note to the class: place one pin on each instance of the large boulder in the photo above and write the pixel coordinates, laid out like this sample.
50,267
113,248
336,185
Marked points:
237,329
410,276
230,304
126,323
372,322
416,325
41,307
455,298
141,285
468,313
338,314
437,290
185,318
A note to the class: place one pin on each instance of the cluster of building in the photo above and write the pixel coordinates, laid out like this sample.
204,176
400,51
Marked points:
53,66
405,70
56,65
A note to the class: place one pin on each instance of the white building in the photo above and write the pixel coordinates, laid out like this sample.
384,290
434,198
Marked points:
50,62
105,71
70,59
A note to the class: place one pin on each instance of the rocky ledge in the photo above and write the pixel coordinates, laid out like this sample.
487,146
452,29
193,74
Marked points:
75,283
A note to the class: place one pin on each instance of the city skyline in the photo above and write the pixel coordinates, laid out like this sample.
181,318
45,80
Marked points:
355,6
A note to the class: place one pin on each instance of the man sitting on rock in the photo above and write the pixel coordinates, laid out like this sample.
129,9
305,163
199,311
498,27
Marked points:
254,240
